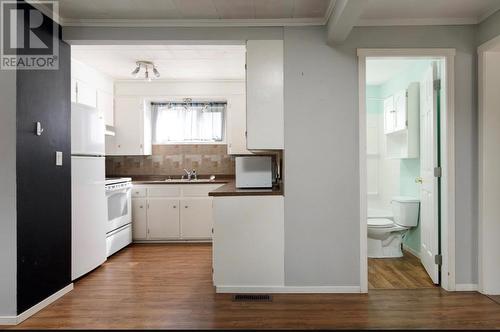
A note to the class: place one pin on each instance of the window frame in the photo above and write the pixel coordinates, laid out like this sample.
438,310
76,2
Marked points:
225,133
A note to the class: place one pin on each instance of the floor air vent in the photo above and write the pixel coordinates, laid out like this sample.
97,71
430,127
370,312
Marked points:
252,298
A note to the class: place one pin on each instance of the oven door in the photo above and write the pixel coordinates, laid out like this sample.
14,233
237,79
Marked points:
119,208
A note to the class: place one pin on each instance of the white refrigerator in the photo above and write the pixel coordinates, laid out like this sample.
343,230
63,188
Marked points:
89,215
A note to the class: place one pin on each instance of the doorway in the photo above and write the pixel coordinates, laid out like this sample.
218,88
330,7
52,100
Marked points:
405,162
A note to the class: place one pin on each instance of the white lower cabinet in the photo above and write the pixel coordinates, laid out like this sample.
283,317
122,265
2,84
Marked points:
172,212
163,219
196,218
139,216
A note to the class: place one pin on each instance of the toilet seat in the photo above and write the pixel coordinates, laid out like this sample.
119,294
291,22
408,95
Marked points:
380,223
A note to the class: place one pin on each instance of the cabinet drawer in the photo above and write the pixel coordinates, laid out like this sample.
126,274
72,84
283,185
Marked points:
164,191
197,190
139,192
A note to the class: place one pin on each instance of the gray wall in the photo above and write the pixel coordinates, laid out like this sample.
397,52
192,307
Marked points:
489,28
321,142
8,254
321,133
321,162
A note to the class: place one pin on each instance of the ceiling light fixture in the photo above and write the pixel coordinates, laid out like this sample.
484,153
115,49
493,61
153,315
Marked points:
146,65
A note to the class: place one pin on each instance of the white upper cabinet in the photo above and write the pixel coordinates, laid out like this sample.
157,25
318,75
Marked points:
84,93
265,102
395,112
236,126
105,104
401,104
132,128
92,88
401,125
389,115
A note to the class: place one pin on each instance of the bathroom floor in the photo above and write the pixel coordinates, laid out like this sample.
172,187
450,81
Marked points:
397,273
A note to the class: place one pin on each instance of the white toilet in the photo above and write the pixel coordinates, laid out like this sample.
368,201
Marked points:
385,234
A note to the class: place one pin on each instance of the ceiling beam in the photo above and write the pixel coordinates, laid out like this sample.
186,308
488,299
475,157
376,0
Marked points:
345,16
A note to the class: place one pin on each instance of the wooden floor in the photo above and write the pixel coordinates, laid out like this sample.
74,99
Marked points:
397,273
169,286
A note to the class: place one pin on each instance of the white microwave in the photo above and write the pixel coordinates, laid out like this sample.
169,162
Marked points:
254,172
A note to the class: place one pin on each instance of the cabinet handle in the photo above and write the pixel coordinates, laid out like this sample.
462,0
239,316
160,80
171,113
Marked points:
186,206
141,206
175,206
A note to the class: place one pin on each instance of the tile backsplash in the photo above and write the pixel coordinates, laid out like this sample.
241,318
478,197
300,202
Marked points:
170,160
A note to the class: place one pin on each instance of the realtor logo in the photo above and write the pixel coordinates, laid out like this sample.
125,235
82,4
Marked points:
29,39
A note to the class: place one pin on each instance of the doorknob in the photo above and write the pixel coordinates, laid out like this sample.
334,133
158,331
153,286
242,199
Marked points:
419,180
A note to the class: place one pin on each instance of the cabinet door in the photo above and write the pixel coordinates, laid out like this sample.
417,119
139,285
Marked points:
129,126
400,108
265,124
105,105
196,218
139,219
237,126
86,94
163,219
389,115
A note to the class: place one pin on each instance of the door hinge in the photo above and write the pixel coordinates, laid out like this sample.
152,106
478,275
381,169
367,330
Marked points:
406,94
438,259
437,84
212,230
437,172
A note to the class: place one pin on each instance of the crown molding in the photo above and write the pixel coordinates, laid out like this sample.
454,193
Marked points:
416,21
193,23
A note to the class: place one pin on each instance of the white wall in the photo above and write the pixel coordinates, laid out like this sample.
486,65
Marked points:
8,252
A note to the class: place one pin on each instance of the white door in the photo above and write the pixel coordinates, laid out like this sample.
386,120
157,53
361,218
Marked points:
428,188
88,215
196,218
163,219
139,219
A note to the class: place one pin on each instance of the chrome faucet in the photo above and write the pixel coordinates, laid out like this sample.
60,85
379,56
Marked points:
191,175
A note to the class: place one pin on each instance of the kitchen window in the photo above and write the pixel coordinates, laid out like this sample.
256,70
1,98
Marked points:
188,122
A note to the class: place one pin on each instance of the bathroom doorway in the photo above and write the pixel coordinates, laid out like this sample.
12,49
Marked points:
405,98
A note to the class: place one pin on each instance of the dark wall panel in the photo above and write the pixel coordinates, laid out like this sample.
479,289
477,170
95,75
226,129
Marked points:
43,189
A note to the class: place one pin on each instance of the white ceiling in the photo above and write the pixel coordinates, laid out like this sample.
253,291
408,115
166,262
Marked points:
192,9
389,12
380,71
179,62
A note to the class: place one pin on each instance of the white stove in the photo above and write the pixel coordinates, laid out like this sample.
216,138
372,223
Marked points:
119,221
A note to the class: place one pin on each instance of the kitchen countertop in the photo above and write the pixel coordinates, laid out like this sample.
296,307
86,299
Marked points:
230,189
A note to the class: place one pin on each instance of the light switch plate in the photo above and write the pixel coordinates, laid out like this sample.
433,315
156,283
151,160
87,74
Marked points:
59,158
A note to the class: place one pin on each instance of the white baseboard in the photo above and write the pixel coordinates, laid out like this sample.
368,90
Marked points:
8,320
466,287
289,289
411,251
14,320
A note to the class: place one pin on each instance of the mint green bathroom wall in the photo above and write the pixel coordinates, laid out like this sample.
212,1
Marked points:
373,102
409,168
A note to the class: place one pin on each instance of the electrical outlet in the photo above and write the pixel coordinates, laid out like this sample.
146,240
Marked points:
59,158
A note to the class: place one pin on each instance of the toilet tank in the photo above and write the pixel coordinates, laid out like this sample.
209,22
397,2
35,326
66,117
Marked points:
405,210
